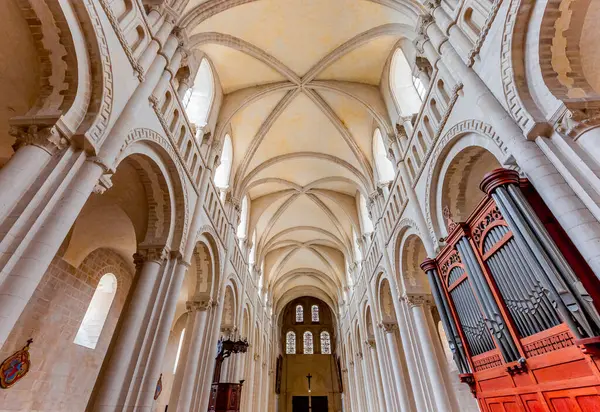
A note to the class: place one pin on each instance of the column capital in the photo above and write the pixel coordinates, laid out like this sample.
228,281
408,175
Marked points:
388,327
46,137
417,300
156,254
256,356
104,183
199,303
423,22
575,122
359,355
370,343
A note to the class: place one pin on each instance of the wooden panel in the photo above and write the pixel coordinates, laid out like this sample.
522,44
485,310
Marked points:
574,400
533,403
501,382
504,404
558,372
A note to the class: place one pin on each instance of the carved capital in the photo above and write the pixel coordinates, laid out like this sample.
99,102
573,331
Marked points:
104,183
48,138
575,122
417,300
370,343
419,42
423,64
431,5
256,356
388,327
150,254
424,21
200,303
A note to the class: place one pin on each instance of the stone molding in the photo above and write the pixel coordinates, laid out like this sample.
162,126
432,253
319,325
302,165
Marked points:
575,122
104,183
199,303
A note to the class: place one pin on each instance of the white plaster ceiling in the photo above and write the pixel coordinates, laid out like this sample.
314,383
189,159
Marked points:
302,98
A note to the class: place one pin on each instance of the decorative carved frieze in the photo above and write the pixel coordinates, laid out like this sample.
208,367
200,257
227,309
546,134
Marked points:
48,138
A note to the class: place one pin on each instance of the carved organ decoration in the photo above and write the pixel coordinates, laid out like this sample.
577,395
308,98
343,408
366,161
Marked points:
513,308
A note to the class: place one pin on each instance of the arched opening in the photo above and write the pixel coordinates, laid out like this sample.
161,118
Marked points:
406,88
460,192
385,168
299,314
97,312
365,219
223,171
413,253
198,99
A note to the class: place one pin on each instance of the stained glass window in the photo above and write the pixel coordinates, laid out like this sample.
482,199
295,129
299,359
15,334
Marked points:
315,313
290,343
308,343
325,343
299,313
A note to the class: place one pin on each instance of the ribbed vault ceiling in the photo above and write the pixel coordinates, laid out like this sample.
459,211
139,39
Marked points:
302,98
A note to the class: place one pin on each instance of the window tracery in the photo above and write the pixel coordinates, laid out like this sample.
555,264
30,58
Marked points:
308,343
325,343
290,343
299,314
315,313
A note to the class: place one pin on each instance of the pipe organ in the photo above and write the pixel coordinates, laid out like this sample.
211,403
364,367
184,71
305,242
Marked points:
518,304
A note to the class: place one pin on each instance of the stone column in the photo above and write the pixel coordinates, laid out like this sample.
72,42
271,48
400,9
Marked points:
34,147
356,404
387,386
185,380
396,361
113,383
146,397
368,384
380,401
28,265
434,372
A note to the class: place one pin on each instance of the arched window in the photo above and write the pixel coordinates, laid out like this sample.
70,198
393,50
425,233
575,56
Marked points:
315,313
421,90
358,257
224,169
385,168
242,229
290,343
178,354
199,98
308,343
299,314
325,343
402,84
252,254
365,219
97,312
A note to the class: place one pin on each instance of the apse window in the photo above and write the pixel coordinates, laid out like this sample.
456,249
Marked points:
308,343
97,312
299,314
290,343
325,343
315,313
